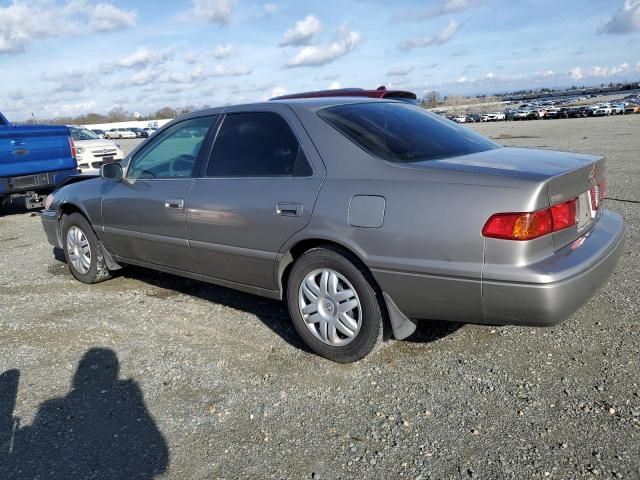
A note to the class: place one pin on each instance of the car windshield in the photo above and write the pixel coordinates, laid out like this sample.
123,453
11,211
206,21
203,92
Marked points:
402,133
79,133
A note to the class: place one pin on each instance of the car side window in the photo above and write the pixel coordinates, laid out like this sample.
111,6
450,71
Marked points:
173,153
257,144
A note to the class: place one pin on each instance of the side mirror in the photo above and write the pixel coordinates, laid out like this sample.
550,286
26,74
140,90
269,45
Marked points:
111,171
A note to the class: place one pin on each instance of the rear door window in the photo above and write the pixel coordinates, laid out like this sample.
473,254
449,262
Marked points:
256,144
402,133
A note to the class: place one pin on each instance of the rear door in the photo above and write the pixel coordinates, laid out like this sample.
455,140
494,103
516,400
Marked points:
258,189
144,215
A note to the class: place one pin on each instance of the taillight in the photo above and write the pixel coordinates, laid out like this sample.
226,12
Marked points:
530,225
72,146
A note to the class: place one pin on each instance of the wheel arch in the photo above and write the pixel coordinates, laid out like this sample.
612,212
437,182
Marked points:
399,324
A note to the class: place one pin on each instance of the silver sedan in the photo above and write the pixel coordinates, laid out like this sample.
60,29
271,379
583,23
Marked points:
361,214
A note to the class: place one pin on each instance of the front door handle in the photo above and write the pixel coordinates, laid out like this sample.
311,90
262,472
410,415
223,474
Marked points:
19,142
176,203
289,209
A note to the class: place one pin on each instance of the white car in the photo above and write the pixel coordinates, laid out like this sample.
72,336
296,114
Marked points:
93,151
602,110
460,119
119,133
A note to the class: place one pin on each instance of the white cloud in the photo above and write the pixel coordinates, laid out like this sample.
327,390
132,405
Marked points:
576,73
345,41
335,85
463,79
211,11
107,18
278,91
625,20
302,33
222,52
22,22
144,57
399,71
439,38
490,76
226,71
144,77
194,75
445,8
609,72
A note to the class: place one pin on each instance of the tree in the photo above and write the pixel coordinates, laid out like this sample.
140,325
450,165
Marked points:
118,114
166,112
430,99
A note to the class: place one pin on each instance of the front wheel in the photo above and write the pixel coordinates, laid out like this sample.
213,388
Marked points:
333,306
82,250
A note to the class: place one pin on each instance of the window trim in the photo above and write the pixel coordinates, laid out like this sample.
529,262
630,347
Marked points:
223,116
159,136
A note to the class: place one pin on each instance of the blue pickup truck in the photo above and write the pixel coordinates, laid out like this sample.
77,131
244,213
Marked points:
34,160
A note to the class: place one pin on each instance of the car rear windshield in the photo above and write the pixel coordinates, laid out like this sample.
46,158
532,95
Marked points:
402,133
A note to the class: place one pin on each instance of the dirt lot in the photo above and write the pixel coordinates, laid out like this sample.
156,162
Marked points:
216,384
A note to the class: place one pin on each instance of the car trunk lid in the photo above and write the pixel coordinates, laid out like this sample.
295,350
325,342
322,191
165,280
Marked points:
565,175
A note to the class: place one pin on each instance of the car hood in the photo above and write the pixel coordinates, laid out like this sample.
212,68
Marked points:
98,143
530,163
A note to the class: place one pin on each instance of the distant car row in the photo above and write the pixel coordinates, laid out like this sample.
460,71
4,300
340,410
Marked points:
129,132
537,111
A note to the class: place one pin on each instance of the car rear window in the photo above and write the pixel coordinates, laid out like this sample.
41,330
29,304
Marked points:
402,133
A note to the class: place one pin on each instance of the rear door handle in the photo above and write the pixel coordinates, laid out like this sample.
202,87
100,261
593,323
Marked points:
289,209
19,142
176,203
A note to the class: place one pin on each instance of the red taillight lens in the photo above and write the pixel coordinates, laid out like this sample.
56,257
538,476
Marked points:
564,215
530,225
72,146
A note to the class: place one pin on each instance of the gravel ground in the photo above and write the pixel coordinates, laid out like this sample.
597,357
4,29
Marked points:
214,383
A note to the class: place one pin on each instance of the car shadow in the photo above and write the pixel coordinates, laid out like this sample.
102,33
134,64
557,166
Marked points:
272,313
428,331
101,429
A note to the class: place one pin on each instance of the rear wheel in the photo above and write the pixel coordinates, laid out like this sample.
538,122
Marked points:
333,306
82,250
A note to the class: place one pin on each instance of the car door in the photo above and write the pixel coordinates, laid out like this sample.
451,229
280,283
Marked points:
144,214
257,190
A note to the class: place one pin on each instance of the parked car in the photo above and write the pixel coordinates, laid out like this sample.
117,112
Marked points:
474,117
459,118
315,201
98,132
617,109
34,160
631,107
488,117
120,133
150,131
578,112
551,113
140,133
602,110
92,151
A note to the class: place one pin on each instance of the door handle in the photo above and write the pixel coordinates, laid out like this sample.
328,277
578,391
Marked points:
288,209
17,142
176,203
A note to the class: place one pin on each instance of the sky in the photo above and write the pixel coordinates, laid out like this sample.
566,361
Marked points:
69,57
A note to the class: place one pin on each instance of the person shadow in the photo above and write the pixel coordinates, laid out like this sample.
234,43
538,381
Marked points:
100,430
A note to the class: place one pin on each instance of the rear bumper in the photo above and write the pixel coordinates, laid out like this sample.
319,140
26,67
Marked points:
46,181
49,219
579,270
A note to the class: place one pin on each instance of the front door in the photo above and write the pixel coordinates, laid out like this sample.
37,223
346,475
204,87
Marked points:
144,215
258,189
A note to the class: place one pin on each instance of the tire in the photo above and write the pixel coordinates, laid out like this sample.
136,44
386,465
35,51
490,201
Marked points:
351,277
87,270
